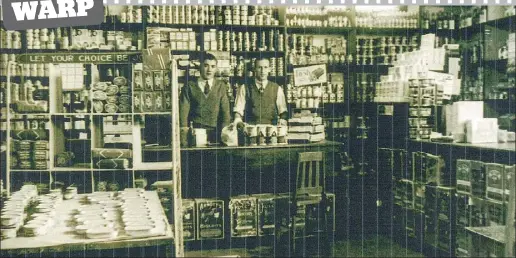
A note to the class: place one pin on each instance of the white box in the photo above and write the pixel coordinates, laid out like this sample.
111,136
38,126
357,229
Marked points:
483,130
460,112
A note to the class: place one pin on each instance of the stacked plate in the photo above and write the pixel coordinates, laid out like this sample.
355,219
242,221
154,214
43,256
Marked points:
38,225
141,218
98,220
13,211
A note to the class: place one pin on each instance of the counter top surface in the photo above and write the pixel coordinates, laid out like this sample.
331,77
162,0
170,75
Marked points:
507,146
285,146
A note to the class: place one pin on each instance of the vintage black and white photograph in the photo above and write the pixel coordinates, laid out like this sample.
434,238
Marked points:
259,130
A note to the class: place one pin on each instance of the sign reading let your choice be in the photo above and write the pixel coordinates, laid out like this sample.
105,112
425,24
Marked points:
98,58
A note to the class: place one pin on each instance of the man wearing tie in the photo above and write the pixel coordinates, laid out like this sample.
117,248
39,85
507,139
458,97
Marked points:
204,101
261,101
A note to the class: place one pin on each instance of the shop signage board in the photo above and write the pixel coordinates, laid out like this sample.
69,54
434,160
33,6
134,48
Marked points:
78,58
309,75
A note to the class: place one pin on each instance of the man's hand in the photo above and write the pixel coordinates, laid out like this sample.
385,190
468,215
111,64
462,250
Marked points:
238,119
283,122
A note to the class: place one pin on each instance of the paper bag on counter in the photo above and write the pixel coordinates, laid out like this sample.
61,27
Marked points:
230,135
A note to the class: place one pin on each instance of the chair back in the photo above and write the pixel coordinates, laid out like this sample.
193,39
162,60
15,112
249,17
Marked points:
310,176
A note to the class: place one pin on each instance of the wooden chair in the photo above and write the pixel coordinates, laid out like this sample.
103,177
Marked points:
308,190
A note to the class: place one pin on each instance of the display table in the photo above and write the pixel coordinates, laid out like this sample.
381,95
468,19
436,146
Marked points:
61,237
229,171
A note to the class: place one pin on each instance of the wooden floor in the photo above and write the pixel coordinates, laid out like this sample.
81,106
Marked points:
370,247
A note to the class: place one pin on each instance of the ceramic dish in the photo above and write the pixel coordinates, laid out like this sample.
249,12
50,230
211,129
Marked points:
94,221
82,219
138,231
92,211
81,229
10,220
8,232
110,202
100,233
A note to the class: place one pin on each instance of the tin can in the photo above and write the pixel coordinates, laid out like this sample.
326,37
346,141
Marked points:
262,134
251,135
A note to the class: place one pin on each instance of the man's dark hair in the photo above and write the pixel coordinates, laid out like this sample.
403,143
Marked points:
207,56
260,59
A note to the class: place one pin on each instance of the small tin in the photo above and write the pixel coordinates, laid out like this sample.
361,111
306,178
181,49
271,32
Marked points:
158,101
158,80
148,102
111,108
148,80
137,101
138,80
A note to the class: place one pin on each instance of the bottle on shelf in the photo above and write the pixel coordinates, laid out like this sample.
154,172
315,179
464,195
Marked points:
191,135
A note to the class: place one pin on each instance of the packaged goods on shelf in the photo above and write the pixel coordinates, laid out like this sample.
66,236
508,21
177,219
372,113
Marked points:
123,14
210,219
189,220
213,15
10,39
337,16
300,122
29,97
266,213
496,213
428,168
387,19
495,179
317,49
243,216
372,50
509,175
483,130
478,179
175,39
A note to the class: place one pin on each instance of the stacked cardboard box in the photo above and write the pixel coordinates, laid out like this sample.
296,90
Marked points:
306,126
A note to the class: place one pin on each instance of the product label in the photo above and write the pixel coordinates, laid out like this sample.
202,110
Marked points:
23,14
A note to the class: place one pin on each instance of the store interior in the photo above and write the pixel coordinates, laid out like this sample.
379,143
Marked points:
401,127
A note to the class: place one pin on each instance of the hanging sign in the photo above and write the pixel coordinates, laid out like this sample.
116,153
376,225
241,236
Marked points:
78,58
308,75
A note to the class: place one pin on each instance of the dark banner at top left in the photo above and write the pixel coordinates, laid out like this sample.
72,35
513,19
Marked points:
24,14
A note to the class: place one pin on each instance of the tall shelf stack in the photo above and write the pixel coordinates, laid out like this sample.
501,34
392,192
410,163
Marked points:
86,128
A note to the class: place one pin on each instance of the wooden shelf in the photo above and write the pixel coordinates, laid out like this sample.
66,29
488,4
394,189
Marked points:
114,26
153,113
205,27
79,51
113,114
154,166
29,170
319,30
70,169
387,31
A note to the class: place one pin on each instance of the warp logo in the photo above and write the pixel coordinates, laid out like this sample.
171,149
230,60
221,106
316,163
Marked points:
23,14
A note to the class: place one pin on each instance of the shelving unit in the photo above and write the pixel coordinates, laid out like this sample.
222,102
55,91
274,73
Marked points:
65,130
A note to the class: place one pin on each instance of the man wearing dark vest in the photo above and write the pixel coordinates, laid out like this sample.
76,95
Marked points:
261,101
204,101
